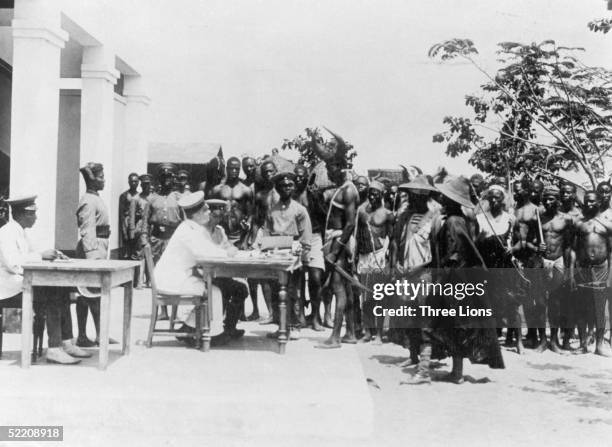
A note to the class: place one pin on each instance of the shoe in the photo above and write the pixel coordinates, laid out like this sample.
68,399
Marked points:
220,340
57,355
294,334
273,335
236,333
111,341
74,351
84,342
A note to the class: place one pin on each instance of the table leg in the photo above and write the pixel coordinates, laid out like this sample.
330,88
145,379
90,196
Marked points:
206,303
104,320
128,290
283,278
26,320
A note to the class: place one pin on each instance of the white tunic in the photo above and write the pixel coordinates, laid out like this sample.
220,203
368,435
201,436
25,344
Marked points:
174,271
15,250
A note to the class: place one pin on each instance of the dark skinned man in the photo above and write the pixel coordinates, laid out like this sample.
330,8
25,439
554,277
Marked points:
265,197
182,182
372,253
286,217
568,206
237,219
525,249
556,249
362,183
94,231
249,167
593,248
410,256
138,227
127,245
164,215
338,234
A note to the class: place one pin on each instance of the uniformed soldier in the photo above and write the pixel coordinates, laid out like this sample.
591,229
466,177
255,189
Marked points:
164,215
127,244
94,231
138,224
182,182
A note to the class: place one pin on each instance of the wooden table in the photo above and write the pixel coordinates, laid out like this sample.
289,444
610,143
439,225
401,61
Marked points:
104,274
251,268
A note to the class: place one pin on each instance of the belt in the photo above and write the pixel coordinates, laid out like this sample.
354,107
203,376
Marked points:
103,231
162,231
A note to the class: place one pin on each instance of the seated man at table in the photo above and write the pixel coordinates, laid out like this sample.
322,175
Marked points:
199,237
286,217
15,250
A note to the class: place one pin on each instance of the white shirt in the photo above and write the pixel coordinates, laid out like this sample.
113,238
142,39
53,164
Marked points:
189,243
15,250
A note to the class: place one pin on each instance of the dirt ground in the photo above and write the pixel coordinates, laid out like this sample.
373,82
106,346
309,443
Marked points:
538,399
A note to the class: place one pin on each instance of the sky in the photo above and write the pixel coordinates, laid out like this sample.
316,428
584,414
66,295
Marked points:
248,74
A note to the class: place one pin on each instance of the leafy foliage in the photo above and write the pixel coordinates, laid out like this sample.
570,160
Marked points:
545,112
303,145
600,25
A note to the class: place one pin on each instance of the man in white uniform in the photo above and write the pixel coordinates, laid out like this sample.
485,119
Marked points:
15,250
176,271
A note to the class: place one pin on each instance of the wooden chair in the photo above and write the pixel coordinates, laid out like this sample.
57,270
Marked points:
160,298
38,326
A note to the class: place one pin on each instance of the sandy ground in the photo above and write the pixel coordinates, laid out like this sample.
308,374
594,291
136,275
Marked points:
538,399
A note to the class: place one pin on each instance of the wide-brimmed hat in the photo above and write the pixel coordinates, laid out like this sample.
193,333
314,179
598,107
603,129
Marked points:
420,183
458,190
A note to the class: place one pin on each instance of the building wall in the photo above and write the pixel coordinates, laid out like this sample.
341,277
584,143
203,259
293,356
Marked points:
68,163
116,176
5,128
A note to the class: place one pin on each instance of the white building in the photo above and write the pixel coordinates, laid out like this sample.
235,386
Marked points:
66,98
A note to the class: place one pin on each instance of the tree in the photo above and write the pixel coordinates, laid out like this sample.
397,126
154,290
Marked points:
304,146
548,112
600,25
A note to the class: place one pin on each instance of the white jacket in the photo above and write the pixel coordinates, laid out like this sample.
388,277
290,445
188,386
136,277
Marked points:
15,250
189,243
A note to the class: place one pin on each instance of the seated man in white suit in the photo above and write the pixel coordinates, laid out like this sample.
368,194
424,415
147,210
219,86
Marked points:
197,237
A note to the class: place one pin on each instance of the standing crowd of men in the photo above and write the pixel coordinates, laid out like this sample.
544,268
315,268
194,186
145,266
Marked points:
545,257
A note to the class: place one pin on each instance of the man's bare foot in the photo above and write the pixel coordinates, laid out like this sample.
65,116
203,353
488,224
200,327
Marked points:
366,337
316,325
582,349
349,339
253,317
327,320
554,347
520,349
163,317
377,340
330,343
542,346
600,350
268,320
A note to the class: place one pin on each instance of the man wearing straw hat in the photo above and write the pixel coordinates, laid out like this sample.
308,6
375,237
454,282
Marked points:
410,255
456,261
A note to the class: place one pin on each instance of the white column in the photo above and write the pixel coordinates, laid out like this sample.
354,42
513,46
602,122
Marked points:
136,126
37,43
99,76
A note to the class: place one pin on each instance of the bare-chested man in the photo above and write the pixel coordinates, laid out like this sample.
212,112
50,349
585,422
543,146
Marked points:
237,221
362,184
338,232
593,247
372,249
249,167
525,249
557,229
316,264
265,197
568,206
